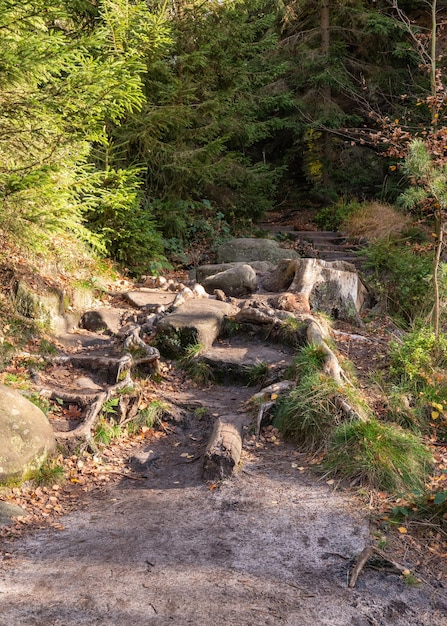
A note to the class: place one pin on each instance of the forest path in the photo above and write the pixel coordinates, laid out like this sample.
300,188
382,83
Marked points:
272,545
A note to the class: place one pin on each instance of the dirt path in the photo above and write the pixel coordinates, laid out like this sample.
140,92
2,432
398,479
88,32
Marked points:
273,545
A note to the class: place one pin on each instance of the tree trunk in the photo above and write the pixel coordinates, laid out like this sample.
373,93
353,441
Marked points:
325,45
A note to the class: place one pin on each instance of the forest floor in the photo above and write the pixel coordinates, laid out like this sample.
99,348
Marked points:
136,536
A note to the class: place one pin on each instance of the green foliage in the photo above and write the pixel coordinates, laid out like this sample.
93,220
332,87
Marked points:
308,414
49,474
148,417
418,356
230,327
418,389
257,374
211,102
82,78
40,401
291,332
332,217
177,343
308,361
113,210
381,455
401,278
106,431
192,230
198,370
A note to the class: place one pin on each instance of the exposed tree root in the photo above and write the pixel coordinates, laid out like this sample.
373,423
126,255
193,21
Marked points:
85,429
135,352
363,557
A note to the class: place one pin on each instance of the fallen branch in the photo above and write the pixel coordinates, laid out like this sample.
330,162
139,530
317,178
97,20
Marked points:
224,450
363,557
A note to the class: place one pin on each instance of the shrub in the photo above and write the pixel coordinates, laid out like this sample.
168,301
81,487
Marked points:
401,278
418,356
333,217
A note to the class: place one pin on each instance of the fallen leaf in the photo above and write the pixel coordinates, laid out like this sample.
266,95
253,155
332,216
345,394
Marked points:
402,530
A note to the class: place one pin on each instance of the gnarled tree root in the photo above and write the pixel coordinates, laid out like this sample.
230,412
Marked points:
94,404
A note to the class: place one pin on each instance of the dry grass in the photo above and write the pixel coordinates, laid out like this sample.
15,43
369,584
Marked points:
375,220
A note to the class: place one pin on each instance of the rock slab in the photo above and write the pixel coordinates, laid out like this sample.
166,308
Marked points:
235,282
195,321
251,249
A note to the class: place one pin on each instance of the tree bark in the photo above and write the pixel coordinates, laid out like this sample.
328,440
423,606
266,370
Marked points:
224,450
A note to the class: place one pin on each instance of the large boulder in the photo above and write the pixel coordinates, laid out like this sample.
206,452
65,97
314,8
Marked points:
331,287
26,435
236,281
106,319
194,322
247,249
203,271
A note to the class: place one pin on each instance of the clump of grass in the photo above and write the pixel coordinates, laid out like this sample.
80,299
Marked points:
308,414
198,370
382,455
106,431
374,220
148,417
309,359
230,327
49,473
291,332
41,402
256,374
177,344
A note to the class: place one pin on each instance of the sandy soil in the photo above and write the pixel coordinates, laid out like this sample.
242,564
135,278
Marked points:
272,545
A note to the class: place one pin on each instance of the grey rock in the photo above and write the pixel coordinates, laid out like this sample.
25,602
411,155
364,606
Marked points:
27,436
149,299
235,281
250,249
260,267
107,319
195,321
8,511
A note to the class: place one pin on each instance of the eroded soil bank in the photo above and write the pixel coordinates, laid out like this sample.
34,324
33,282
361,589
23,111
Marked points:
272,545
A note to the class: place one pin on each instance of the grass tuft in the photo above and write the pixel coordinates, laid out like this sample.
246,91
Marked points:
382,455
308,414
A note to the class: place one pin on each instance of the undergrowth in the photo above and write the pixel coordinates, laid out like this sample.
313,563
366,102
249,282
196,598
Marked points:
356,446
382,455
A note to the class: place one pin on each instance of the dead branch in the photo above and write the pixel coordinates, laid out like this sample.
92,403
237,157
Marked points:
265,406
362,559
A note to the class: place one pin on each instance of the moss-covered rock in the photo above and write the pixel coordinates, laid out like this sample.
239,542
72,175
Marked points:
26,436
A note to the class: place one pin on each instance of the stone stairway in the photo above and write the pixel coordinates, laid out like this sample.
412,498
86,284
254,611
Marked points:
323,244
